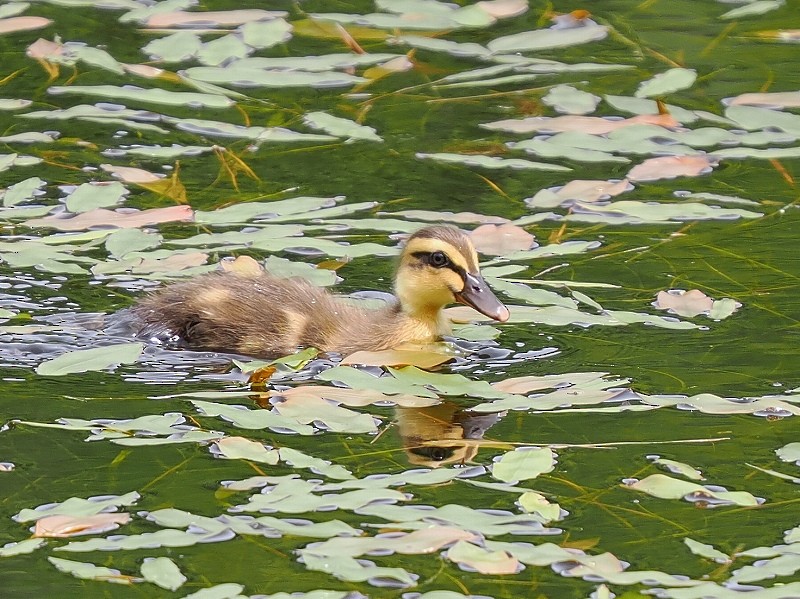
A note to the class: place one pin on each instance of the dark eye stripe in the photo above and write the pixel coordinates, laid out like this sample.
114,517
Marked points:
426,258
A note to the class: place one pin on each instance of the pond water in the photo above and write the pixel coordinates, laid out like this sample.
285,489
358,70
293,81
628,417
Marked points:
631,430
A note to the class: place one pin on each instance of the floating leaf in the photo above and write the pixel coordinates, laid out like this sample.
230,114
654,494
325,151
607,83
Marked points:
492,162
90,571
568,100
123,219
398,357
162,572
70,526
239,448
90,196
14,24
340,127
667,82
501,240
22,547
707,551
523,464
665,487
482,560
679,468
87,360
789,453
546,39
75,506
759,7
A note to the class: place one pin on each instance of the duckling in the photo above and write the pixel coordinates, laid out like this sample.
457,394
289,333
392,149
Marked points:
266,317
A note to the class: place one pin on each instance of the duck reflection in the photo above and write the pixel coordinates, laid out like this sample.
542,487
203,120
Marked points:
442,434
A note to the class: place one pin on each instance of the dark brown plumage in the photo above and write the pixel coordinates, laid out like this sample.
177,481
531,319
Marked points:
264,316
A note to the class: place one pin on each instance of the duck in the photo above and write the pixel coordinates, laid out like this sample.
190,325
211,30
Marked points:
259,315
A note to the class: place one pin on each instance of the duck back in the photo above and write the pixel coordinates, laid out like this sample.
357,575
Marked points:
261,316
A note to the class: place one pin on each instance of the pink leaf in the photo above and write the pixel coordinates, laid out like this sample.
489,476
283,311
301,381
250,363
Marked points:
498,240
683,303
23,24
123,218
669,167
70,526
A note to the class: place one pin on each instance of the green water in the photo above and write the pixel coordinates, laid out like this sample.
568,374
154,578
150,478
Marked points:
752,353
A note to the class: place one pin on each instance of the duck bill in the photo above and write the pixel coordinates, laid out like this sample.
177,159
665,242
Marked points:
476,294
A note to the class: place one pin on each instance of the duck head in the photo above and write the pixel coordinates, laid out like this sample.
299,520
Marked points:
439,266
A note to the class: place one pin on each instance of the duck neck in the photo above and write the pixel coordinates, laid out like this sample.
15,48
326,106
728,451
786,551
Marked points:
426,317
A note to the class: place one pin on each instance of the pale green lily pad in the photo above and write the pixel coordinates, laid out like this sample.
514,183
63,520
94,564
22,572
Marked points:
707,551
149,540
568,100
546,39
298,459
253,419
228,590
142,13
783,565
659,212
430,20
548,149
247,211
14,104
257,134
162,572
667,82
491,162
679,468
163,152
751,9
665,487
8,161
76,506
87,360
21,547
789,453
488,523
90,196
340,127
12,9
239,448
536,503
475,74
90,571
322,63
24,191
446,384
265,34
524,464
482,559
125,241
243,76
491,82
222,50
178,47
643,106
152,95
302,501
358,379
754,117
350,569
29,137
712,589
460,49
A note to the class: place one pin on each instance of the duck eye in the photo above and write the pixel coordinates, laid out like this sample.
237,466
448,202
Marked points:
438,259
